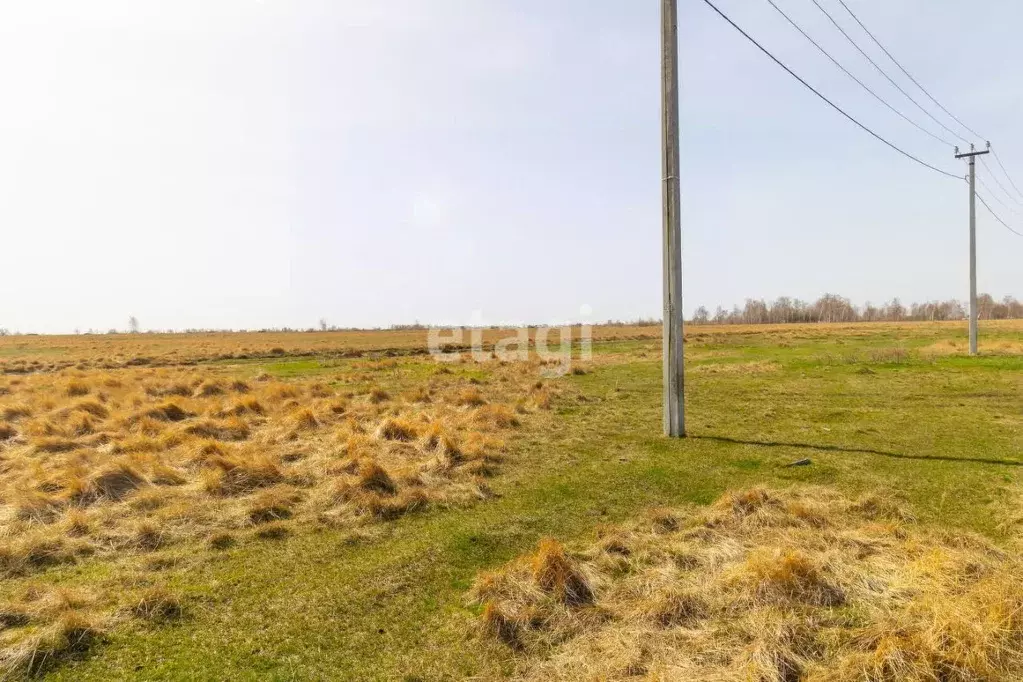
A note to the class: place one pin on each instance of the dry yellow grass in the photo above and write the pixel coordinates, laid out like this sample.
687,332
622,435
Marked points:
120,464
766,587
190,463
960,347
756,367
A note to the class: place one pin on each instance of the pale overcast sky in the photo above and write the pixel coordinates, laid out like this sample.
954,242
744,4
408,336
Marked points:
249,163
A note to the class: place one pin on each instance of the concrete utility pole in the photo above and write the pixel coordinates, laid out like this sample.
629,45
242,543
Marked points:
972,156
674,374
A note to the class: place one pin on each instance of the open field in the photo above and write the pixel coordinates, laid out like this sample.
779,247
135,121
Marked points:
26,354
304,506
22,354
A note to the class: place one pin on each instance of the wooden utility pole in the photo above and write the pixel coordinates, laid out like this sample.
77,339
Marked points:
674,374
972,156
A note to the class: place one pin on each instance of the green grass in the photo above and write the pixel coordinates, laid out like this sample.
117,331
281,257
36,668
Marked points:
945,433
18,350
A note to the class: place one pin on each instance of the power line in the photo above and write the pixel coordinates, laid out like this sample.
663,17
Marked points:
858,81
816,92
995,154
994,195
885,74
908,74
999,182
995,215
954,118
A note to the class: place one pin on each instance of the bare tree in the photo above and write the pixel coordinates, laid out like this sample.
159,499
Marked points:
133,324
1015,307
870,313
755,312
323,324
782,310
833,308
896,311
985,306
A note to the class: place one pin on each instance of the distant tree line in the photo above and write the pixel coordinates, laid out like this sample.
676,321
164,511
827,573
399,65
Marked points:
827,308
832,308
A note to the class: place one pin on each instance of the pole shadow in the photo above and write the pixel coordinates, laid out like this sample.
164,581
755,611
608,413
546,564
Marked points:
865,451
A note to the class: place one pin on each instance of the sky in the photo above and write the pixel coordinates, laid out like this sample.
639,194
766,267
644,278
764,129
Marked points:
268,163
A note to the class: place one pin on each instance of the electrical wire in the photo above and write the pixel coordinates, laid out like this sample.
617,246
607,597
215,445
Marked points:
995,154
849,116
994,195
884,73
908,74
995,216
858,81
816,92
998,182
939,105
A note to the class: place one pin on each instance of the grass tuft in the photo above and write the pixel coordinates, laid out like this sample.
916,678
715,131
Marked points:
374,478
115,482
208,389
168,412
232,429
675,606
304,420
240,474
786,576
274,504
12,413
397,429
221,541
379,395
470,397
92,407
157,604
72,634
495,417
559,575
76,388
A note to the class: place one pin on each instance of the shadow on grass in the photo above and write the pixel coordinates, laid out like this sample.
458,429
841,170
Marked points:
868,451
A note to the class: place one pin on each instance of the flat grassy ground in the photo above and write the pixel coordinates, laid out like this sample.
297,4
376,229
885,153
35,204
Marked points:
30,353
892,407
